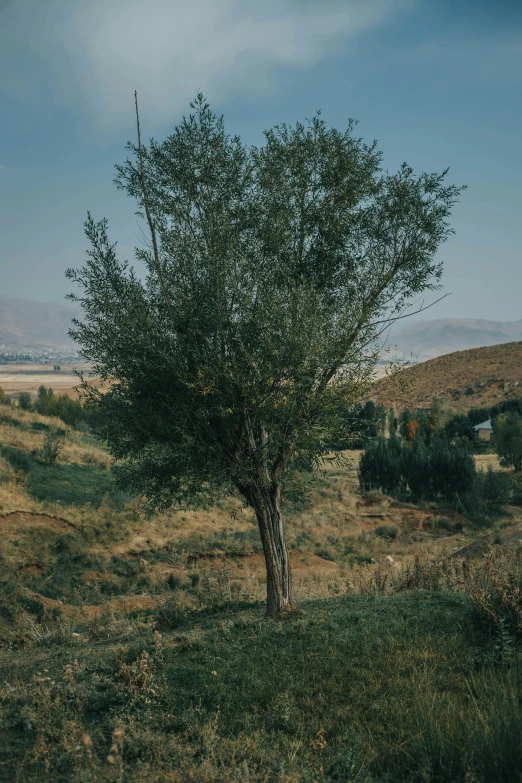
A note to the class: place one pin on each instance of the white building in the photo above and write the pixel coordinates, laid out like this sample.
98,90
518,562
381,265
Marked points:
484,430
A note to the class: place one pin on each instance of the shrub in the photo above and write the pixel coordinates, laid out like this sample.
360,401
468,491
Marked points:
17,459
461,427
381,466
169,615
452,471
52,445
494,488
386,531
508,439
4,399
516,490
24,401
174,581
70,411
416,467
442,523
437,470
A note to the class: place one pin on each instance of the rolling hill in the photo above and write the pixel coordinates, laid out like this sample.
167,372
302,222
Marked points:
478,377
27,324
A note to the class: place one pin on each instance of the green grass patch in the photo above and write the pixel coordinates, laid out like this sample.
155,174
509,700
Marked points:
371,689
73,484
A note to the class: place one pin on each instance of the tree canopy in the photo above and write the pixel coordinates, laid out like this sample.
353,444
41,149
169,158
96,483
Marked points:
508,439
270,274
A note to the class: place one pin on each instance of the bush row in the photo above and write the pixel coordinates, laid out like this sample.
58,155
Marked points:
436,471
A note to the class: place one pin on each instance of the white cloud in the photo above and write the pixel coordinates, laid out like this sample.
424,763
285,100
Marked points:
96,53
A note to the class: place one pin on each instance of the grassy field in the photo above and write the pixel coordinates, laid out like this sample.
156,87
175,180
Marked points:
136,649
15,378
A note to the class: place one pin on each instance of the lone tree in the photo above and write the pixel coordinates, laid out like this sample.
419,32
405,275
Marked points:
271,271
508,439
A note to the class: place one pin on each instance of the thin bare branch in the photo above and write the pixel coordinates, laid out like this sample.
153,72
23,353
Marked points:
152,228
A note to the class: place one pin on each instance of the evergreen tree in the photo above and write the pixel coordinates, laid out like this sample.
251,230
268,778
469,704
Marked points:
382,466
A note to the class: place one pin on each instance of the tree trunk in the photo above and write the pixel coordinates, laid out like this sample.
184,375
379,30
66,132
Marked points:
267,505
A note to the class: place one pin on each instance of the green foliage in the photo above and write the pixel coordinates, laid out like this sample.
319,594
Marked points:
73,484
416,469
44,402
392,422
404,419
53,443
452,471
381,466
70,411
508,439
362,424
516,489
16,458
24,401
442,523
478,415
460,426
386,531
494,488
4,399
273,266
429,471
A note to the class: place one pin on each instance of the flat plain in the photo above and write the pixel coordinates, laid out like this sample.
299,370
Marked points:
21,377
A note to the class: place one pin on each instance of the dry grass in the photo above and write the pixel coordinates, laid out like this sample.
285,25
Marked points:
162,669
15,378
476,378
332,536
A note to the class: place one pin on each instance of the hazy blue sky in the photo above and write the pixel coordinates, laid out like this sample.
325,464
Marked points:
437,82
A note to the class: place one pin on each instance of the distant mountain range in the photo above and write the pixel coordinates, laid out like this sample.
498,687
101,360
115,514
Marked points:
428,339
30,325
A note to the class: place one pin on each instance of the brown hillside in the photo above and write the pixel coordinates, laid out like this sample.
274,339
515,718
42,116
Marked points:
476,378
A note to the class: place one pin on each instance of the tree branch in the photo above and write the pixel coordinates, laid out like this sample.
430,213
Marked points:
147,212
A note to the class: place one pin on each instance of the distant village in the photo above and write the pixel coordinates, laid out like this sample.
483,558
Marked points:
38,356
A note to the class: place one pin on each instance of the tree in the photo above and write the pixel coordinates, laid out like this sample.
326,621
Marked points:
478,415
382,466
508,439
412,429
373,419
452,470
392,422
404,419
432,419
271,272
460,426
494,489
416,468
429,470
24,401
44,403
